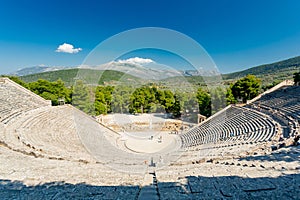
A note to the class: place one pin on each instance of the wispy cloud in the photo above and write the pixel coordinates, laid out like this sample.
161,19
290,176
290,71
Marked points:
67,48
136,60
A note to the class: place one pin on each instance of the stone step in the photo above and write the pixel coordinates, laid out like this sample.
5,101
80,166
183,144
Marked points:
149,188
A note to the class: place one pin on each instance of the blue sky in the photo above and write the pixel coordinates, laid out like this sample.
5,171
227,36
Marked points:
236,34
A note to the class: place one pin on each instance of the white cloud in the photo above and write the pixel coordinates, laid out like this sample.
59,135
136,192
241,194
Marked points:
136,60
67,48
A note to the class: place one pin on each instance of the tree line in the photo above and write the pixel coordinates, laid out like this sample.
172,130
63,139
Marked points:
96,100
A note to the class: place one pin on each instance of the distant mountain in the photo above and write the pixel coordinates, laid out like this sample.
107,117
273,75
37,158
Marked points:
150,71
90,76
129,73
36,69
115,71
283,68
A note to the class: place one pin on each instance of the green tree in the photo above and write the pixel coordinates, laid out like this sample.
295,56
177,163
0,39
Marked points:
121,99
118,103
204,102
51,90
297,78
61,91
137,101
81,97
218,99
176,108
229,96
188,101
156,108
246,88
169,101
103,99
160,96
100,103
149,99
100,108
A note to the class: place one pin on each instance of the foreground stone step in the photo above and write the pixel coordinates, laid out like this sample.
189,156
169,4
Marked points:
148,192
149,189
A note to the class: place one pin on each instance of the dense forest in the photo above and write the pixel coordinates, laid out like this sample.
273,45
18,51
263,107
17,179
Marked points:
147,98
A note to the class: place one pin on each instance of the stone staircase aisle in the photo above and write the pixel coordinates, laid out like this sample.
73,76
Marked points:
149,188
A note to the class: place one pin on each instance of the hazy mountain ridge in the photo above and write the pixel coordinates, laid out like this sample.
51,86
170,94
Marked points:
124,72
90,76
149,71
37,69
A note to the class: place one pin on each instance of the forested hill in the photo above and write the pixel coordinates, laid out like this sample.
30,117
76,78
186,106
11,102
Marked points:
269,73
68,76
281,68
